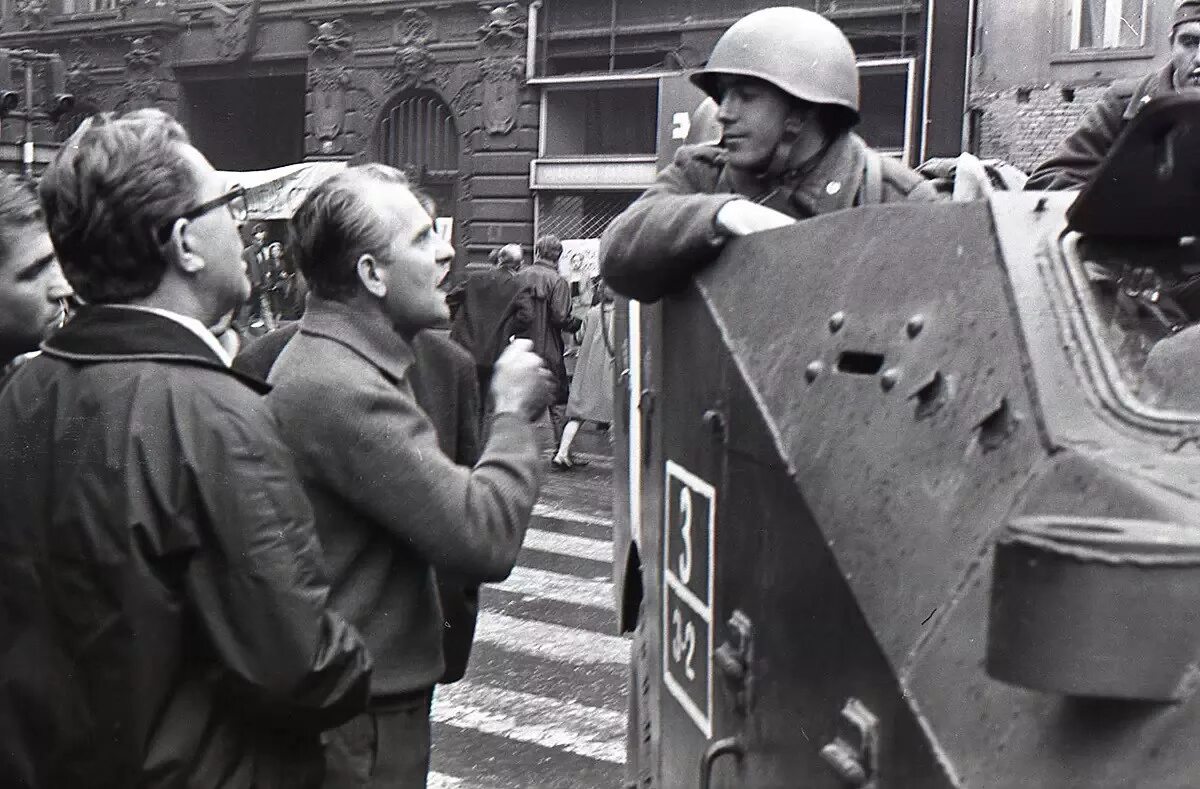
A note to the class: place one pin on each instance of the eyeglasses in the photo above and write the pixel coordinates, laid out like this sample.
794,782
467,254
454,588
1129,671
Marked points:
234,200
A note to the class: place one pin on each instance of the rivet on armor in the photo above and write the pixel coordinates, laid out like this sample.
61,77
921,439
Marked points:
915,324
813,370
889,378
837,321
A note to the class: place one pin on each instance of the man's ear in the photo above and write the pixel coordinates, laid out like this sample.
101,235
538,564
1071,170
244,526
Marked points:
178,249
370,274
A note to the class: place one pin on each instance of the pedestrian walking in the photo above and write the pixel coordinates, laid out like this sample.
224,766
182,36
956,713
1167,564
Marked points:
541,312
166,611
481,304
591,397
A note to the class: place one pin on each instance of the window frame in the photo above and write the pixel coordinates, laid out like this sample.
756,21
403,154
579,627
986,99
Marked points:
1112,27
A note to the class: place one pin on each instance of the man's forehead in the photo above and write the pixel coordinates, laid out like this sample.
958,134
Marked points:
1190,29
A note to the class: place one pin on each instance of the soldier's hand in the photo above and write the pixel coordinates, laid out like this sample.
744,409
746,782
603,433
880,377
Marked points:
521,382
743,217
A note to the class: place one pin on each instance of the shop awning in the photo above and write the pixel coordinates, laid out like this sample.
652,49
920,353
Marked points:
276,193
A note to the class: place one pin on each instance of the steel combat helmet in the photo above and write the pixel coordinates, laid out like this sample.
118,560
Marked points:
798,51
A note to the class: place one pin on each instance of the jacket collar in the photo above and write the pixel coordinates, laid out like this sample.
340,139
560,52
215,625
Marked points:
368,335
831,185
98,334
1160,83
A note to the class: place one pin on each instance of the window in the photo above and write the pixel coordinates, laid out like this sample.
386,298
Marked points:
602,120
1108,24
73,6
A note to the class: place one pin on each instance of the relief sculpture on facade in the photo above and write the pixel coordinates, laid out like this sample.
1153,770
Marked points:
414,65
329,79
31,14
142,75
502,38
236,31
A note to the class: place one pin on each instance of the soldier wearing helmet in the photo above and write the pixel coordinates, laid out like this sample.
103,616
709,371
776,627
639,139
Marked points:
1077,157
785,83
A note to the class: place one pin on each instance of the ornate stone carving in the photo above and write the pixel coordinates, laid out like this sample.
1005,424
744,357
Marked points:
414,65
80,74
30,14
142,77
502,38
505,28
502,75
329,79
236,31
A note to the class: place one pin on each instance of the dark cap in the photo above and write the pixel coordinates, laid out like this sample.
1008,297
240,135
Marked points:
1185,11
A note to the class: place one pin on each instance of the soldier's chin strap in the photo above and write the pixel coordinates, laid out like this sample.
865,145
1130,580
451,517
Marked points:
783,168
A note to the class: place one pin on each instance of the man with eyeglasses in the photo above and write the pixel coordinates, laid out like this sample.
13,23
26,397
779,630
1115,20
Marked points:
163,607
1077,157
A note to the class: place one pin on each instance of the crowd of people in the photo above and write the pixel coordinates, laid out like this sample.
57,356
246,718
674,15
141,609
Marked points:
232,560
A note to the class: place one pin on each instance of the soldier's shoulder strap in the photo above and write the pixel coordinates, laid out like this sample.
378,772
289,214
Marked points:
872,190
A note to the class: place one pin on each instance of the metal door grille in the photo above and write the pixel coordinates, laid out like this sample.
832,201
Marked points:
419,131
580,215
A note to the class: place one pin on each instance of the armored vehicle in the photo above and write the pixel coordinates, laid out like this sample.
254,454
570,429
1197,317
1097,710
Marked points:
907,494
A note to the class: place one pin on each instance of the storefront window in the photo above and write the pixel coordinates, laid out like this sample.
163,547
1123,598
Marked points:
1108,24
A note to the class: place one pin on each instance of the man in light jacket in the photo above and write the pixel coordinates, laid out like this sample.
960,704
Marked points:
164,616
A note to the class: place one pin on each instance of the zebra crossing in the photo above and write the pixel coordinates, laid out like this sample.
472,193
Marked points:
543,703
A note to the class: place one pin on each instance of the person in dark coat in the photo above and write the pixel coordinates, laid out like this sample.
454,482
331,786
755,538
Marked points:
1077,157
480,304
166,617
33,291
391,506
541,312
786,83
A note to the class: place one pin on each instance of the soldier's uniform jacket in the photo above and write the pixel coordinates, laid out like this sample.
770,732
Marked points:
1077,157
656,244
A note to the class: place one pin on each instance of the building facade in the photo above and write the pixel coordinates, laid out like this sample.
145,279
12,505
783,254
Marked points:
518,118
1038,65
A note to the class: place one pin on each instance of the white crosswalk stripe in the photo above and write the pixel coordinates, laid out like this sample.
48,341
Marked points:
569,545
527,717
546,585
543,702
552,642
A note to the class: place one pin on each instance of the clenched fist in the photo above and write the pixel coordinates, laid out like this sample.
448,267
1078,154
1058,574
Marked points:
521,382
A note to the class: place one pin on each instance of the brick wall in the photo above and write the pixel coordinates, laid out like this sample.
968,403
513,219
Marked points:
1023,126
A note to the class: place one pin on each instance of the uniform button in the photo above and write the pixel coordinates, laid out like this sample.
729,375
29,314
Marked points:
833,187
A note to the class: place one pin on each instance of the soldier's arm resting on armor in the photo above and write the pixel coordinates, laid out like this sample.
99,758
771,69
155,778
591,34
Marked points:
1077,157
671,231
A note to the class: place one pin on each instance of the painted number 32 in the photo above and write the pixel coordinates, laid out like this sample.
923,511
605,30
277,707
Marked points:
683,643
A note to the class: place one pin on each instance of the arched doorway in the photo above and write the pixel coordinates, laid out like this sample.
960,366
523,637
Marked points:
418,135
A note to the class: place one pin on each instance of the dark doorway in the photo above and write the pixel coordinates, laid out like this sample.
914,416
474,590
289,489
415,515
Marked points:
248,123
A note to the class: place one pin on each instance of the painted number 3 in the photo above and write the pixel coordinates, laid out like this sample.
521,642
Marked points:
685,535
683,643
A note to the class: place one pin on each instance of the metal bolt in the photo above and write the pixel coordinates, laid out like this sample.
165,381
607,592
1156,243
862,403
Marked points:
714,420
837,321
813,370
889,379
914,325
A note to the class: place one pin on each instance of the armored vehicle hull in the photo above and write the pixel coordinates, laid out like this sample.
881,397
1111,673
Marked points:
898,511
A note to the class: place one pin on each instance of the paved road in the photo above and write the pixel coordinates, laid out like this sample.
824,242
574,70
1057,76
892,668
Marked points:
543,703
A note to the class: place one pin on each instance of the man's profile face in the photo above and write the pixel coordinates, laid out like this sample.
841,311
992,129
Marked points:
260,237
1185,55
752,114
32,288
414,264
214,236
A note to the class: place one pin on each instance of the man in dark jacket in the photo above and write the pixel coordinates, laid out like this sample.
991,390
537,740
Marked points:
390,505
541,313
165,614
786,83
33,290
1077,157
481,303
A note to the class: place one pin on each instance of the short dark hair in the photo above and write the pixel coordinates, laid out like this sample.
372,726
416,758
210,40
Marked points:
18,208
335,226
547,248
107,194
